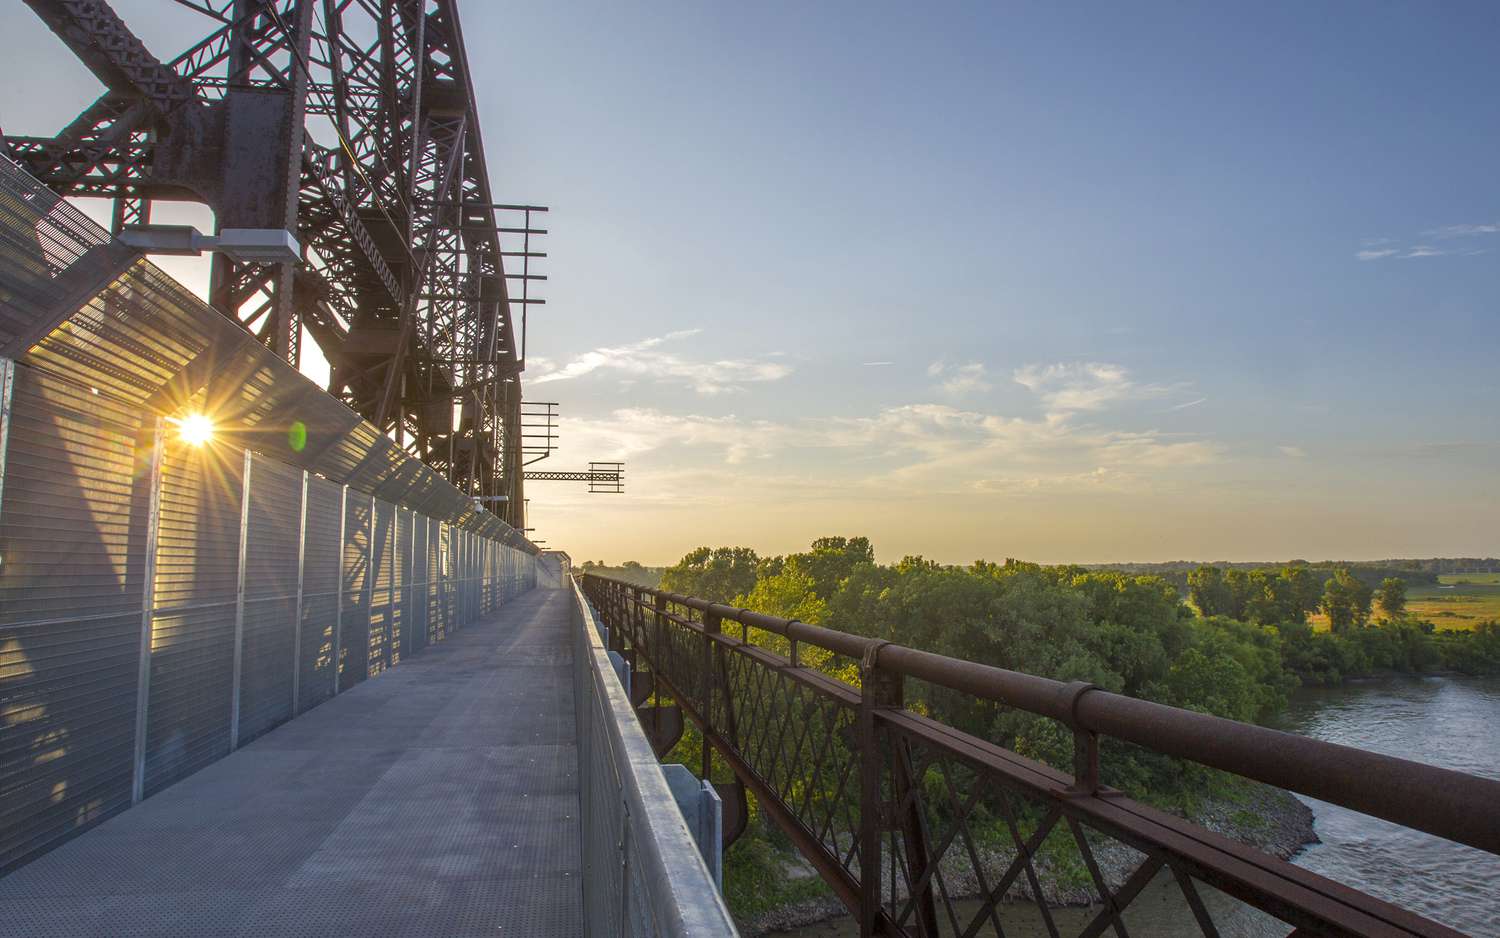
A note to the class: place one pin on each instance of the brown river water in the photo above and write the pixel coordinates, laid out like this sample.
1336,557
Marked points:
1453,722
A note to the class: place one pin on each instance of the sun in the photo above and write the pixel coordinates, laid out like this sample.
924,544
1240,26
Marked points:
195,429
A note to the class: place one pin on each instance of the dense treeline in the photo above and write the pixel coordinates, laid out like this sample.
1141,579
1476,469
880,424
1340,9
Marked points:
629,571
1235,649
1236,646
1370,572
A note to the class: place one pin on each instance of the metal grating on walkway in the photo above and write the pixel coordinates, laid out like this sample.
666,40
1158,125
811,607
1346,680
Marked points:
440,798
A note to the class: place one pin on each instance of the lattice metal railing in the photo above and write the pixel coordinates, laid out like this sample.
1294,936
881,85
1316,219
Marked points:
923,829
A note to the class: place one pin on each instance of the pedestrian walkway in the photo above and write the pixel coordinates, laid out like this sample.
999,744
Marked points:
439,798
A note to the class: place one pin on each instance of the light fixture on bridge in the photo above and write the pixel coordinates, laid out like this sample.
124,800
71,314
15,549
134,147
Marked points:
246,245
194,429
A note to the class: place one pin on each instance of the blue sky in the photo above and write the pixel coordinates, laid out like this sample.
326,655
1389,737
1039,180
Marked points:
1151,283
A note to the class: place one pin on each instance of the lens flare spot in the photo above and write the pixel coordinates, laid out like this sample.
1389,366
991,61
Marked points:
296,437
195,429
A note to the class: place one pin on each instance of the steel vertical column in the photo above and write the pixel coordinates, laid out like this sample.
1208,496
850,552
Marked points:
430,577
338,614
148,601
369,583
870,871
301,579
408,601
659,623
884,690
390,591
712,626
7,390
239,609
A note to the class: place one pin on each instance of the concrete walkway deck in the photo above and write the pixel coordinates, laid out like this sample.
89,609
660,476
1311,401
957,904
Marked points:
439,798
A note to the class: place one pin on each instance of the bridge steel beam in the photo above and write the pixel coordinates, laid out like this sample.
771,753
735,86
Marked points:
355,126
862,784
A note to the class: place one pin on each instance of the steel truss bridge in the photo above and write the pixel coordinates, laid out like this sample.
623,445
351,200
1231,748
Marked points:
352,124
296,676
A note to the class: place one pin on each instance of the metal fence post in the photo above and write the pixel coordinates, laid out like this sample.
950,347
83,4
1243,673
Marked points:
884,690
408,601
239,608
7,389
338,614
428,578
369,582
659,608
391,652
1085,743
712,657
148,601
875,691
301,579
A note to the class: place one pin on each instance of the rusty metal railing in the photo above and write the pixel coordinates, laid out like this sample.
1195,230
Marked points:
860,782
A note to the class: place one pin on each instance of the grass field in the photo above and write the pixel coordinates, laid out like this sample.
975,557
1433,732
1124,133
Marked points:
1460,601
1484,579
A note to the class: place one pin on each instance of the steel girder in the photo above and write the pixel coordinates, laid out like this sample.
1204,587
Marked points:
353,123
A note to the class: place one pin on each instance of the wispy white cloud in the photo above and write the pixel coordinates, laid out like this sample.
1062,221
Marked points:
647,361
959,380
629,432
1378,249
940,447
1069,387
876,364
1292,452
1463,231
1424,250
1186,404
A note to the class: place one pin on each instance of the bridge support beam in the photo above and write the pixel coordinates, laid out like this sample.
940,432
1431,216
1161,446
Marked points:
152,478
884,690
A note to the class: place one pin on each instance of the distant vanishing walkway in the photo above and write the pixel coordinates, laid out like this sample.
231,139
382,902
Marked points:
439,798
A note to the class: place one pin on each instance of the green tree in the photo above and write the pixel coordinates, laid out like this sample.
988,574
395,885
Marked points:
1264,603
789,594
1391,597
1346,601
718,574
832,559
1297,592
1207,590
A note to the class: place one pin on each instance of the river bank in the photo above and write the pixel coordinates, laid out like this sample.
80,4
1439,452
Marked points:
1263,817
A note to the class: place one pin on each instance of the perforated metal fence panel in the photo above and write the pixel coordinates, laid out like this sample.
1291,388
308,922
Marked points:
70,611
419,603
382,561
435,555
320,592
354,616
270,603
193,612
154,609
401,603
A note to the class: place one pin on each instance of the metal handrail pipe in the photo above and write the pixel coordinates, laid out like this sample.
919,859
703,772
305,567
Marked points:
1449,804
1436,800
1454,805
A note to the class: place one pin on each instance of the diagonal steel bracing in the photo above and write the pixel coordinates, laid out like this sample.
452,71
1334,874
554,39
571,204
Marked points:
354,124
